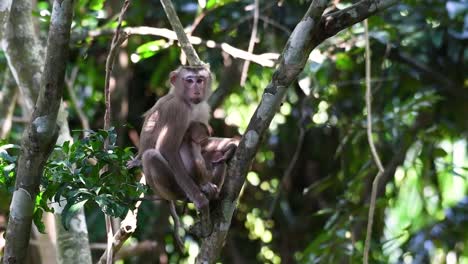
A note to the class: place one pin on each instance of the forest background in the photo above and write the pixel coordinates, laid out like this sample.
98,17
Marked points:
307,192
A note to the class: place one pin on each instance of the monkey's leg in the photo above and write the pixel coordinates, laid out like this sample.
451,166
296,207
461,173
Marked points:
219,173
161,179
204,176
159,175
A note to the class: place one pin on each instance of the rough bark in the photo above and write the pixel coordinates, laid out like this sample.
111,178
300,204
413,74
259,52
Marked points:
311,31
5,6
8,96
41,134
187,47
23,51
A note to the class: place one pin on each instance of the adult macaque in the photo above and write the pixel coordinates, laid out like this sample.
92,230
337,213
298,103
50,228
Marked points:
165,134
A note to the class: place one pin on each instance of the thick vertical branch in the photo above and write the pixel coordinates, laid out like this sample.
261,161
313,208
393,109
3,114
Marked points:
40,136
5,6
187,47
23,51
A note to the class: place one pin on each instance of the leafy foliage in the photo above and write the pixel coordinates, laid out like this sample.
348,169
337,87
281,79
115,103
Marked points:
84,171
81,172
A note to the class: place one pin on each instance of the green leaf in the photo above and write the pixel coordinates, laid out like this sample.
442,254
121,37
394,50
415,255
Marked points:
217,3
109,207
70,210
66,147
343,62
96,4
151,48
440,153
37,219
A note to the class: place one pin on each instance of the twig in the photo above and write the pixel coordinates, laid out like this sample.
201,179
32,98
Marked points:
74,100
117,40
245,18
275,24
375,155
266,59
288,172
253,38
187,47
127,228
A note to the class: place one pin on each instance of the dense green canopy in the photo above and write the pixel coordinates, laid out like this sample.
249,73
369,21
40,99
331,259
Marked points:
306,197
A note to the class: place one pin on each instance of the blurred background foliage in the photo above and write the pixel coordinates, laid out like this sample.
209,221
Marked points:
306,197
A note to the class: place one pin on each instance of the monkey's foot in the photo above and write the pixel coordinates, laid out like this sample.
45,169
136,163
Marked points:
210,190
196,230
133,163
203,228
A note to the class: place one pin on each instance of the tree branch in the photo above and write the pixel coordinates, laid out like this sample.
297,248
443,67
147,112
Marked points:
310,32
375,155
5,7
22,51
117,40
187,47
266,59
127,228
292,61
41,135
70,82
445,83
8,97
334,22
253,38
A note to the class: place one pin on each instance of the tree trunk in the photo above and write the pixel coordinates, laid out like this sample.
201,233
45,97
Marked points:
8,96
40,136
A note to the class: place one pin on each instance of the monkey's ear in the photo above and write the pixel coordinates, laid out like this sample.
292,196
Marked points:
173,77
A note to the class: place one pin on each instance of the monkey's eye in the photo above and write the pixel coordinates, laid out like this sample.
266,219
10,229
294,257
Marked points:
189,80
200,81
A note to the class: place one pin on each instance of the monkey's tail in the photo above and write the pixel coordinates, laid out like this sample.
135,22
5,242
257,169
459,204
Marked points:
175,218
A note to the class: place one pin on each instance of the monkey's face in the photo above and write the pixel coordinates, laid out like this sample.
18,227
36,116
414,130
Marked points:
191,84
195,86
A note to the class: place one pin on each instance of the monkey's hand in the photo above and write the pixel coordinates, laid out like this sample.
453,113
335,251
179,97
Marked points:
133,163
210,190
227,155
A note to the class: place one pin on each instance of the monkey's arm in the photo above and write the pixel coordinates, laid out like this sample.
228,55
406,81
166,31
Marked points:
227,146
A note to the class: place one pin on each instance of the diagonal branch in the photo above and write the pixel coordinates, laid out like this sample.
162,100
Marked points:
187,47
253,38
310,32
292,61
336,21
